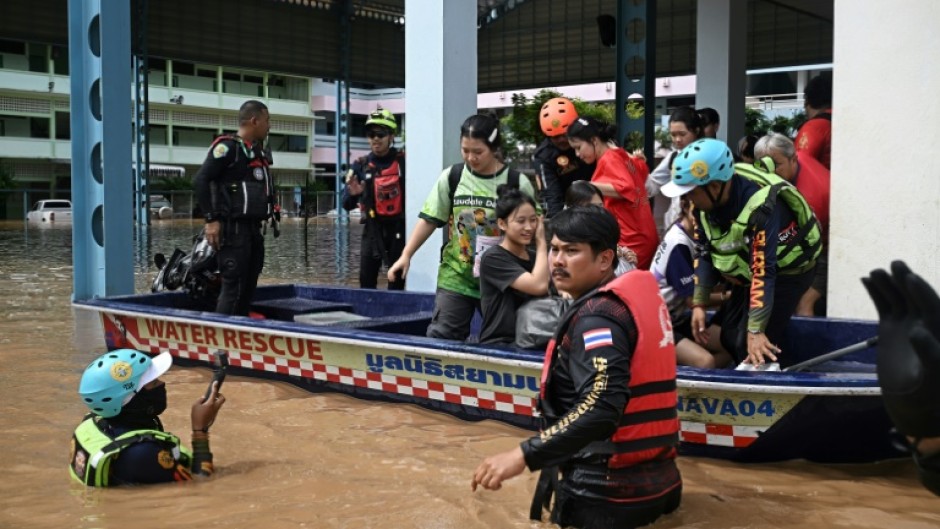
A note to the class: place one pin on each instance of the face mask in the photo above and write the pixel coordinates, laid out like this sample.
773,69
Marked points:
147,403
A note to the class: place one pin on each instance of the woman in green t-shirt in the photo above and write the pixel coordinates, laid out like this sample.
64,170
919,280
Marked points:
467,208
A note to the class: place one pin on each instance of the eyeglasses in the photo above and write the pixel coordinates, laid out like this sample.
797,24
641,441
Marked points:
380,134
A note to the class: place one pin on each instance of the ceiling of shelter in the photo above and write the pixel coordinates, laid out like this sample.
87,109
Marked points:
521,43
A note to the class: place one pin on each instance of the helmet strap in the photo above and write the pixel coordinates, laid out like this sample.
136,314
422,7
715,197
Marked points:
714,199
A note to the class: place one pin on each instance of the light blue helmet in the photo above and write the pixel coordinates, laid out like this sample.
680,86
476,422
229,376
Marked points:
114,378
701,162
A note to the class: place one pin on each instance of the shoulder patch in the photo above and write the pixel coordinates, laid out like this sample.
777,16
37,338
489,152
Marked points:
597,338
166,459
220,150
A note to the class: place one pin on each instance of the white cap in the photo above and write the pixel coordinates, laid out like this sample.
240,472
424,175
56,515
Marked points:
672,190
159,365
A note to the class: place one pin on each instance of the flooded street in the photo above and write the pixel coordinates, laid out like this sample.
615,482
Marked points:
287,458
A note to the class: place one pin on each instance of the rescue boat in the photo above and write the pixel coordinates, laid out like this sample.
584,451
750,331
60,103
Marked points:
371,344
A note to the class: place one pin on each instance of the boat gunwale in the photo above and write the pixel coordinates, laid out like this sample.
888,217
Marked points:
804,383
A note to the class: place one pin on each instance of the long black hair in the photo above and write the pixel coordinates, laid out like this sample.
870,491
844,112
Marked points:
587,127
690,118
483,127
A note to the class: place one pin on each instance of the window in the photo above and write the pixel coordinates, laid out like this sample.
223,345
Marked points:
184,68
60,60
39,128
192,137
63,127
38,58
12,47
157,134
288,143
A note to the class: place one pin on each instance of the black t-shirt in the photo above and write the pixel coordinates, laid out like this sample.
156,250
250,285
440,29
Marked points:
498,301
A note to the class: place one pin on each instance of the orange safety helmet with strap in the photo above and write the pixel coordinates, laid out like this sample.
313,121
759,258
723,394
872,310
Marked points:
556,115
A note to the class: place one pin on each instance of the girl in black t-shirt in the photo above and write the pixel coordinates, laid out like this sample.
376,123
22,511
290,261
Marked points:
512,272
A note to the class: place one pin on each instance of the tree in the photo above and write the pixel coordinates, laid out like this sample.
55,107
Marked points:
755,122
521,129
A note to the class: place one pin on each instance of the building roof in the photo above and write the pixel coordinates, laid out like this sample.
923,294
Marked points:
521,43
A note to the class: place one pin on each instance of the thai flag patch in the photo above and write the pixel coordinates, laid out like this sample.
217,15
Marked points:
597,338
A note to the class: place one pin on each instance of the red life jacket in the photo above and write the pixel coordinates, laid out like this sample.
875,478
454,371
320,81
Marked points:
388,195
649,428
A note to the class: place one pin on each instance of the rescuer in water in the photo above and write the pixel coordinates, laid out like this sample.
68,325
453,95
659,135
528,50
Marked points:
122,440
608,402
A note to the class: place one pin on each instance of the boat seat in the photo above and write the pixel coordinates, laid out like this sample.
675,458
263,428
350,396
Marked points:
414,323
284,309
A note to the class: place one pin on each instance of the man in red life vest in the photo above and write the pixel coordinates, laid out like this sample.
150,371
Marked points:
608,397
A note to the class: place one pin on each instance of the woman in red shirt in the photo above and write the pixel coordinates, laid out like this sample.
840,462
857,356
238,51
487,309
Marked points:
621,178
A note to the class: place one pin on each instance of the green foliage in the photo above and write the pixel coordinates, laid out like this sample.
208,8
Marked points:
635,110
755,122
521,129
173,183
663,137
318,185
758,124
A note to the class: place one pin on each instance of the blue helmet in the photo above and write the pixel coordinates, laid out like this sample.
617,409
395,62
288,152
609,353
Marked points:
700,163
114,378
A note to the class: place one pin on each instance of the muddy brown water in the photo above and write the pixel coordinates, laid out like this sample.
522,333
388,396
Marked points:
287,458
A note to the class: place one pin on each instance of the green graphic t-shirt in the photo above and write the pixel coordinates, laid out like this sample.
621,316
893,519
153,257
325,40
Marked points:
471,219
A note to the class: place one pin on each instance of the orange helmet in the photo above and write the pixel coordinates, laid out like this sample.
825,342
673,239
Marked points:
556,115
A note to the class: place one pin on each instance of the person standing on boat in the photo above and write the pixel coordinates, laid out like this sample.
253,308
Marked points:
122,440
235,191
621,179
376,184
555,160
757,232
909,361
815,136
608,391
685,126
463,199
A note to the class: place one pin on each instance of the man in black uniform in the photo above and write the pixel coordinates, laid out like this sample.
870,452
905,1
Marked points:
236,193
608,392
376,184
555,160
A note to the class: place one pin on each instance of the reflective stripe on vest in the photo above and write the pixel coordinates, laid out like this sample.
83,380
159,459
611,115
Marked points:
649,427
730,251
93,450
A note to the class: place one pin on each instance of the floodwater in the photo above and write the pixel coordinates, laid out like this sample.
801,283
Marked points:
286,458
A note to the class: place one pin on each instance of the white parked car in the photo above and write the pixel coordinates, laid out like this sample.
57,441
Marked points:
52,210
160,207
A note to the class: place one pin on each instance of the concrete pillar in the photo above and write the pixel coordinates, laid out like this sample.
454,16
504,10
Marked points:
885,201
440,93
720,63
102,190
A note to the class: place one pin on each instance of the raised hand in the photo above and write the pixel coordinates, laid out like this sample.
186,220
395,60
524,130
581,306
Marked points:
908,348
